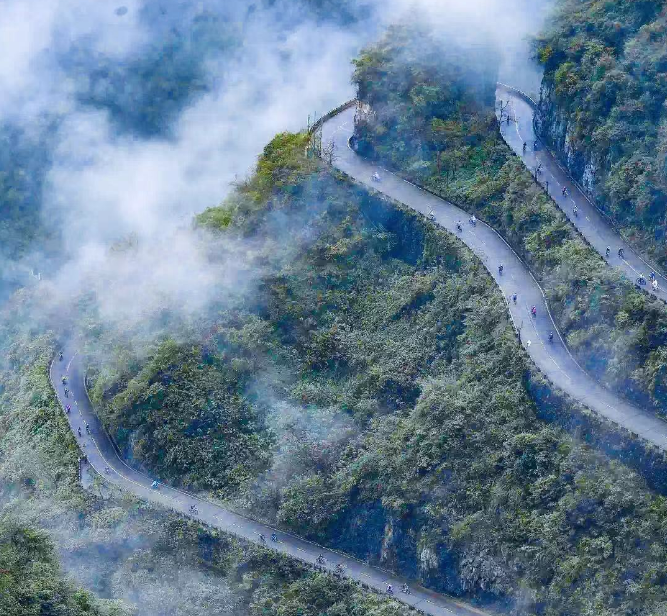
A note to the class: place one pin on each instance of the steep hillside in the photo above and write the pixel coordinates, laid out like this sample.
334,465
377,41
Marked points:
452,145
132,559
376,371
31,582
602,109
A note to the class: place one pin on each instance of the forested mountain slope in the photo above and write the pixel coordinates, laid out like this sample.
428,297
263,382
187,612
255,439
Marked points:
449,142
132,559
372,396
602,109
357,381
31,582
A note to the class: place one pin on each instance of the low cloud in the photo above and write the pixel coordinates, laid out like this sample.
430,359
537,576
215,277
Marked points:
105,185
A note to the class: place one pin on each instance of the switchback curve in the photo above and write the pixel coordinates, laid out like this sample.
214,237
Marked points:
103,458
553,358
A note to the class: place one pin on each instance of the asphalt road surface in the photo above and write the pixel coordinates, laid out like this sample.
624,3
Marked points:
553,358
589,220
103,458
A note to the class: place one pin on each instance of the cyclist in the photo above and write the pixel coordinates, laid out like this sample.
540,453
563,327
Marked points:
390,589
78,430
524,147
575,210
274,537
60,355
514,297
533,311
621,253
68,408
607,251
262,538
551,336
458,226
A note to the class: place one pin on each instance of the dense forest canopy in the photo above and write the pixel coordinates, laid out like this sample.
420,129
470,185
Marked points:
31,582
359,382
603,108
425,93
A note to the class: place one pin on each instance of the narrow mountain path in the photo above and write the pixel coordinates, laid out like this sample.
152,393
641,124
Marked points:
595,226
103,458
553,358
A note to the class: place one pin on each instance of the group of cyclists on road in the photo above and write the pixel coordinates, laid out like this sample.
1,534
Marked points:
641,280
340,569
274,537
404,589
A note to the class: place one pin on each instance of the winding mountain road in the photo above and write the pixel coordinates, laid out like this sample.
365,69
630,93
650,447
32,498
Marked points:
553,358
590,221
104,459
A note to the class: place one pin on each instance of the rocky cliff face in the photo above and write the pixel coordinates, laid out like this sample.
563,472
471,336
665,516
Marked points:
553,127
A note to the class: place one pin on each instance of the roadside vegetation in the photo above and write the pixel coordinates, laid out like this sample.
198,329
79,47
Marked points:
449,142
31,582
133,559
602,108
377,368
359,384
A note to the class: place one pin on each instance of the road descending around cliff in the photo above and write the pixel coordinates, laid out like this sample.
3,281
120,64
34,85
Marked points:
553,358
102,456
589,220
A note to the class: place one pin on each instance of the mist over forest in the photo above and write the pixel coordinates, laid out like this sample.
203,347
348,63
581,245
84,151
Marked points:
259,329
176,100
